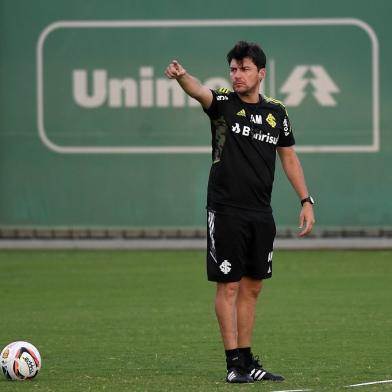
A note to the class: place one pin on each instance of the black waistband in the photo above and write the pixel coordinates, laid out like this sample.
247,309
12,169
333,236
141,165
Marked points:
230,209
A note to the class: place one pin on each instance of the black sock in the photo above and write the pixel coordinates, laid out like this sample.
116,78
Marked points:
245,350
246,353
232,358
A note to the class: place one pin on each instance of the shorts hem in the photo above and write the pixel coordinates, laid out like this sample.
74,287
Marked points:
217,280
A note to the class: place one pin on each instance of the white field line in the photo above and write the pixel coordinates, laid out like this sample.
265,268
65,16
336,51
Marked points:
294,390
368,383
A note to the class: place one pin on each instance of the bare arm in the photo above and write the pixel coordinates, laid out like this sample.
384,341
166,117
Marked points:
293,169
189,84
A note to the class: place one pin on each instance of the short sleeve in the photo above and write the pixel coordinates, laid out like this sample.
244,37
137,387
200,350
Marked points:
286,137
219,98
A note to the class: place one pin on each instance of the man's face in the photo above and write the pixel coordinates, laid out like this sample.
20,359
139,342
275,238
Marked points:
245,77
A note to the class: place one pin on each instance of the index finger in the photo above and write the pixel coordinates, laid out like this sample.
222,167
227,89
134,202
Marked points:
176,64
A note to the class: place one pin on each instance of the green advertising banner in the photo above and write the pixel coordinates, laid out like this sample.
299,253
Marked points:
93,134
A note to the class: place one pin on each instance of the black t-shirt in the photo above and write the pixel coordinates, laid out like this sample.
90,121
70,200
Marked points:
244,141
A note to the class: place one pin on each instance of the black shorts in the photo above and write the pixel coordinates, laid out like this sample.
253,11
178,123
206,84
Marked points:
239,243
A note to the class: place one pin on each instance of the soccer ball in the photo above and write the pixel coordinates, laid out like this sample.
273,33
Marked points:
20,361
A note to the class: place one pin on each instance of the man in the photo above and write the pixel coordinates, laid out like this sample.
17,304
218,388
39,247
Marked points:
247,130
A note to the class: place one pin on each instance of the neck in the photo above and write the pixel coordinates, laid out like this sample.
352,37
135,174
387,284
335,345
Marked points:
250,98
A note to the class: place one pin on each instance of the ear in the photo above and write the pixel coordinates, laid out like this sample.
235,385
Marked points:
262,74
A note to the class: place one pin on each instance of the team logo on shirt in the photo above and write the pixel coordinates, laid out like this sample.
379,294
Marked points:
242,113
271,120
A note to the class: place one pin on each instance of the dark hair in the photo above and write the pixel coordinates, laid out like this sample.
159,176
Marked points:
244,49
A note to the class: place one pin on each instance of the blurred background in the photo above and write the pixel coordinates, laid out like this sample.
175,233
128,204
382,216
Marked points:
95,142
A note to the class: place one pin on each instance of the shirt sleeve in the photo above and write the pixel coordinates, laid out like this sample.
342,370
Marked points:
286,137
219,99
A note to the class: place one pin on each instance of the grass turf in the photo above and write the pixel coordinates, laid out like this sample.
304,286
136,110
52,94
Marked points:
144,320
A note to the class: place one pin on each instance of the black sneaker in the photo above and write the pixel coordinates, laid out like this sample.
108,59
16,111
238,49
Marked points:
257,372
237,376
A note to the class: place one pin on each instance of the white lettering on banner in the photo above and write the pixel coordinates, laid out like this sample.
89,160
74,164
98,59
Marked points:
95,88
118,89
146,87
146,92
81,96
169,88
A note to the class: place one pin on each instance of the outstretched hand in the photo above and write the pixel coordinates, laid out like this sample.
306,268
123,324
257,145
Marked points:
175,70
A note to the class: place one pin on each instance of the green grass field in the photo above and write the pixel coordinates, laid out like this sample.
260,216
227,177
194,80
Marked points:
144,320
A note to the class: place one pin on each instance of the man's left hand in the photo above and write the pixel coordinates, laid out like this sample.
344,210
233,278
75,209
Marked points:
306,219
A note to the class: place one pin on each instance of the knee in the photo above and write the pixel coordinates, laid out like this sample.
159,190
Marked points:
251,288
228,291
256,289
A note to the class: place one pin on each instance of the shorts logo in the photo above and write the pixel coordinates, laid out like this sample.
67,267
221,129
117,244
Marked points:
270,254
225,267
